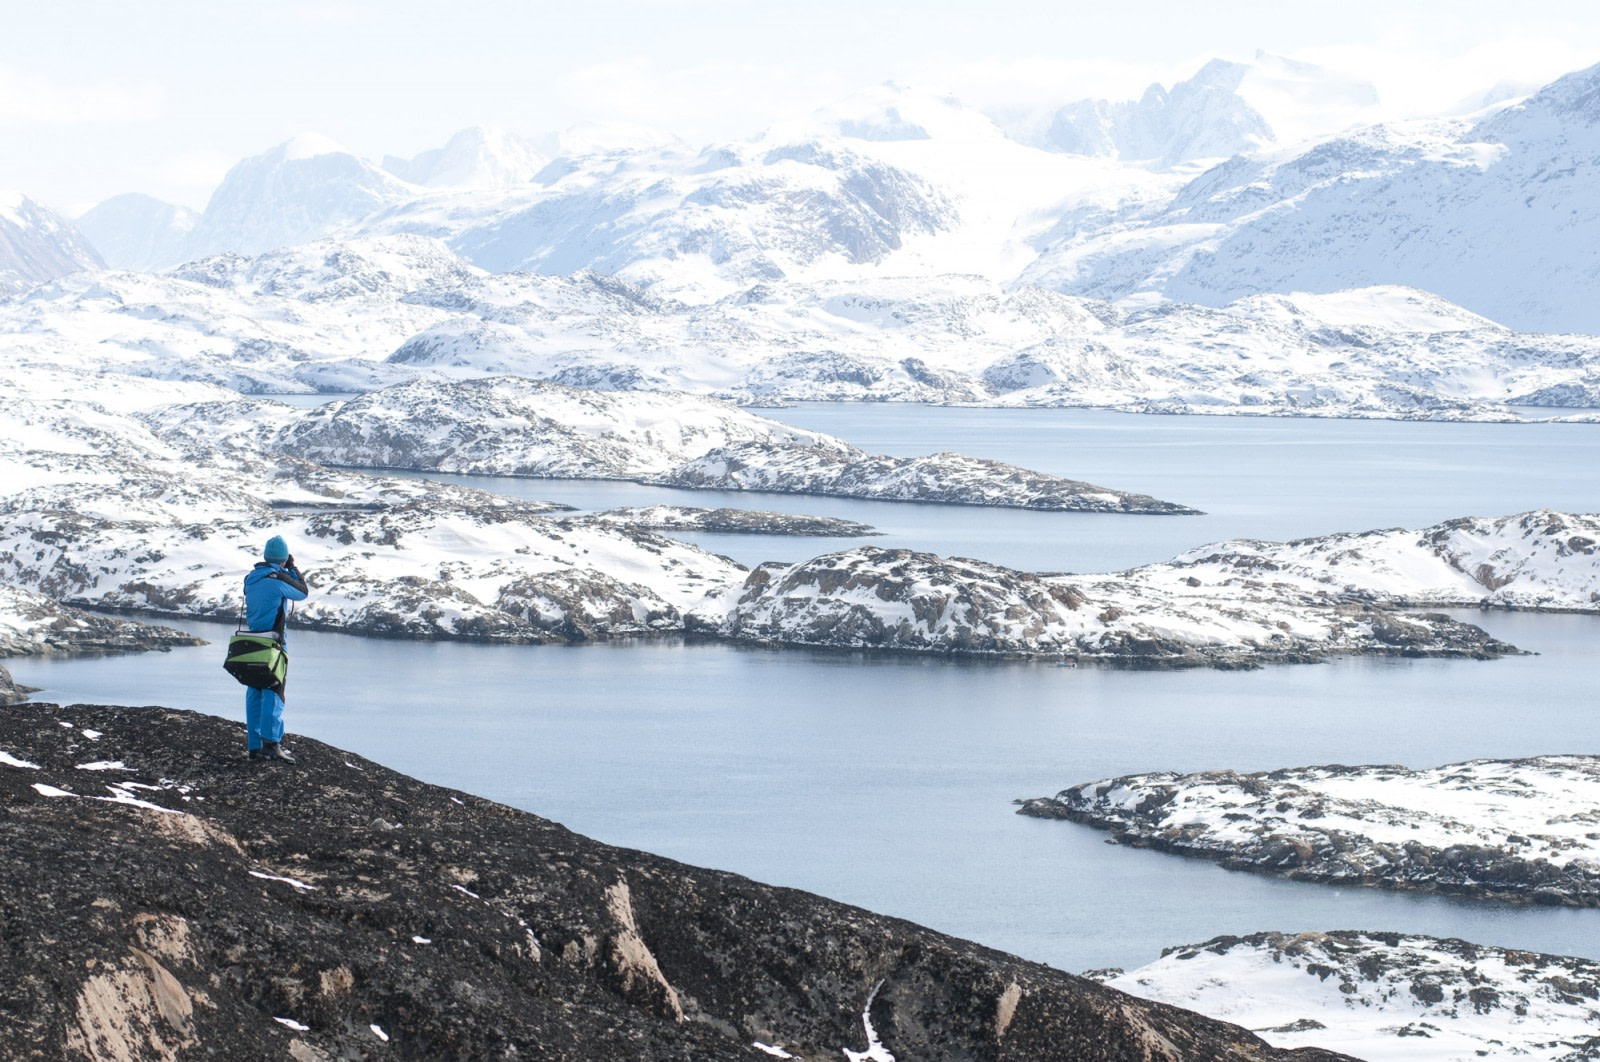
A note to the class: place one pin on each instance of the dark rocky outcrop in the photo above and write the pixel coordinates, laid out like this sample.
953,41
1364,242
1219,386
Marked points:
163,897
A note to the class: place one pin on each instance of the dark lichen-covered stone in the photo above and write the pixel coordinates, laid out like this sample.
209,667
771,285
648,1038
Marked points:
203,896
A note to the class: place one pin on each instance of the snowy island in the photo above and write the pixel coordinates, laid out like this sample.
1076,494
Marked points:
152,498
1383,997
1515,830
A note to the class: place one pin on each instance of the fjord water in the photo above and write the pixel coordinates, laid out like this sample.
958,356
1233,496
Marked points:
887,781
1253,477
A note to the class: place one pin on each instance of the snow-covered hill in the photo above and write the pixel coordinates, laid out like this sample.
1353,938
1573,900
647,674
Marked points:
873,598
1538,560
37,244
1226,603
1520,830
510,426
97,510
1385,997
1496,214
354,315
140,232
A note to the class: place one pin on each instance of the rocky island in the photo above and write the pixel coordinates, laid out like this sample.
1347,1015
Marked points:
1513,830
165,897
903,600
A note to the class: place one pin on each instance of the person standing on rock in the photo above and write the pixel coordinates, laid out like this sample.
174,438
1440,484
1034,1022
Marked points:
268,590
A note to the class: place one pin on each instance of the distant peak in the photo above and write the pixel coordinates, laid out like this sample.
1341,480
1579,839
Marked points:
593,138
310,145
889,111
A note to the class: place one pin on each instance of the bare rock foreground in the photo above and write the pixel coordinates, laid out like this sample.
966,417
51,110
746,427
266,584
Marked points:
163,897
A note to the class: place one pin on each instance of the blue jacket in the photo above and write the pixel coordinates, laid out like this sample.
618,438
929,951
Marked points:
267,591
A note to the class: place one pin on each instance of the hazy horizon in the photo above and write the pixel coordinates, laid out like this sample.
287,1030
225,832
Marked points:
99,100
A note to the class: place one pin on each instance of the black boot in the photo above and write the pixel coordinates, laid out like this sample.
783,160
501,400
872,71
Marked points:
272,751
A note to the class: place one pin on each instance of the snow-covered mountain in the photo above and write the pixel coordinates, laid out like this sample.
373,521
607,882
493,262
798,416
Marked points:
1227,108
1496,214
1384,997
1304,101
889,179
700,222
360,314
301,190
1491,211
473,158
37,244
140,232
890,174
1202,118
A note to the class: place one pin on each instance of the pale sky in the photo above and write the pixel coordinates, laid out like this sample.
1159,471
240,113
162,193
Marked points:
99,97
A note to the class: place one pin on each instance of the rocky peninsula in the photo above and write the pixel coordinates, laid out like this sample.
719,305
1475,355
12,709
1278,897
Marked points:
510,426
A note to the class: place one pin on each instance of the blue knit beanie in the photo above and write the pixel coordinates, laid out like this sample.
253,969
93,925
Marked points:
277,549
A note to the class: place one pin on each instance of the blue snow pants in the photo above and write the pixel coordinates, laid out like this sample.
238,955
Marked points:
263,716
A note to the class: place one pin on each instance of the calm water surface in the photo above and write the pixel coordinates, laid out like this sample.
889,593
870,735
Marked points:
888,782
1269,478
